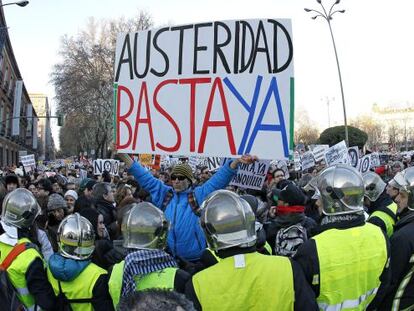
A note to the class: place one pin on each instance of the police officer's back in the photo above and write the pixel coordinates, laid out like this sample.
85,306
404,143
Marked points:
147,265
27,271
244,279
71,272
346,262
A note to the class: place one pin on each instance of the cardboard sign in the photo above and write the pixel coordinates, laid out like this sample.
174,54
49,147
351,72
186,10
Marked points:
110,165
319,152
353,155
251,176
214,89
365,164
337,154
307,160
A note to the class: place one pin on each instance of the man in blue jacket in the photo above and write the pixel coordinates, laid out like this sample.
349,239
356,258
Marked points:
181,202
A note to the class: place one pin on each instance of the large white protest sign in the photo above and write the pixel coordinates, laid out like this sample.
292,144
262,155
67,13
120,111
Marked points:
222,88
319,152
251,176
109,165
353,155
307,160
365,163
337,154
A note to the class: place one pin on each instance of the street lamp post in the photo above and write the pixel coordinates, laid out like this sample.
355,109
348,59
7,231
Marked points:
328,17
19,3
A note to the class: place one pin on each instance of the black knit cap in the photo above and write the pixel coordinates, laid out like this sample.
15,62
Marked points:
183,169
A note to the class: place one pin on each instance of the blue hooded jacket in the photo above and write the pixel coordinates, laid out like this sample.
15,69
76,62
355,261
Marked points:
185,238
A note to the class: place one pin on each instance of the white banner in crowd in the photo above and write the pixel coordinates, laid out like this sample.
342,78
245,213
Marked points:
353,155
222,88
365,163
110,165
251,176
319,152
307,160
337,154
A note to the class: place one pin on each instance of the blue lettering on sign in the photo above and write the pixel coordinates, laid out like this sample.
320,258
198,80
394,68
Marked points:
259,126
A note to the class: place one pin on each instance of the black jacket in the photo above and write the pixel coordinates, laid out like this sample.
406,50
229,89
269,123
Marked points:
402,251
307,257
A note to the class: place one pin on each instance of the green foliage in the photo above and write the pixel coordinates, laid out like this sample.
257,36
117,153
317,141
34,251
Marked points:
334,135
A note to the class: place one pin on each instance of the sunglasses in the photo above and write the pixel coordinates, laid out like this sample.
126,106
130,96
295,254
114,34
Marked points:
179,177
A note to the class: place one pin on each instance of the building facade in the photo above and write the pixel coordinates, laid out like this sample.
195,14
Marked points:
397,122
18,119
46,146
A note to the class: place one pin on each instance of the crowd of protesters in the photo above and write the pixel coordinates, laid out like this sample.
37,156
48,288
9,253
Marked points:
328,238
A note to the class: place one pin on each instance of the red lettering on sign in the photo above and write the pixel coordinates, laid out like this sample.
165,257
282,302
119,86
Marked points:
124,118
217,84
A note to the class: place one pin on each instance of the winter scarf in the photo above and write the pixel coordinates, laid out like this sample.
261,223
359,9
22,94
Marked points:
142,262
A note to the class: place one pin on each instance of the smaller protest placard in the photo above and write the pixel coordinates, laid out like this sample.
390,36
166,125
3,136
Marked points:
83,174
251,176
28,160
297,162
213,163
319,152
337,154
109,165
307,160
193,162
365,163
375,160
353,155
145,159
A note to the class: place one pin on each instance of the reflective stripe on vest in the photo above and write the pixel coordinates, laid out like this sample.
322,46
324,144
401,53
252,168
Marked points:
246,282
163,279
354,256
79,288
17,271
386,217
402,286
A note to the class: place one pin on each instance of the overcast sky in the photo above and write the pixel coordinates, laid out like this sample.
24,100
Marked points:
374,41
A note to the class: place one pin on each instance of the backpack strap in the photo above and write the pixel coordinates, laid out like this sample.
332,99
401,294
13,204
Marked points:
191,200
16,251
167,199
193,204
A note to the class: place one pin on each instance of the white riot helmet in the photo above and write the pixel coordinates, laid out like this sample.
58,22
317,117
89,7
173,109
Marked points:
406,183
373,185
19,209
76,237
227,221
342,190
144,226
